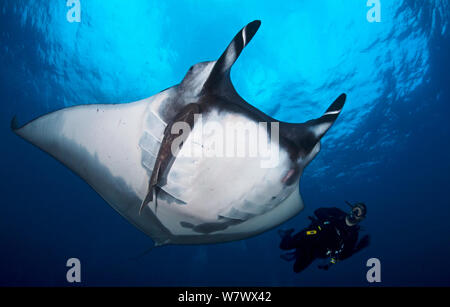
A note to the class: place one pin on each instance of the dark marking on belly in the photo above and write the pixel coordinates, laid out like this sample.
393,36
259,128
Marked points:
207,228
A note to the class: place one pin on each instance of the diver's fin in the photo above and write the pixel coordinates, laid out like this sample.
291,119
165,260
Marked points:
166,157
290,256
221,70
283,233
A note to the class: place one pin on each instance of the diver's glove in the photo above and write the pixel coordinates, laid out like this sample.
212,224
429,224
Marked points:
327,266
288,256
283,233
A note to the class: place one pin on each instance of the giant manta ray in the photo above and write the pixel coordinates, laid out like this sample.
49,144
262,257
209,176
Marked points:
124,152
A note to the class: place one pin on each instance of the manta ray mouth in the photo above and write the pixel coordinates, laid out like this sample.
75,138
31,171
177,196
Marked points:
290,177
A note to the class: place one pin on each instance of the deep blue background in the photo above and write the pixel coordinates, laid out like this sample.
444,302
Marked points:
389,148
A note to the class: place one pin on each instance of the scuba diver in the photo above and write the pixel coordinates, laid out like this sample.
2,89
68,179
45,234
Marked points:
332,234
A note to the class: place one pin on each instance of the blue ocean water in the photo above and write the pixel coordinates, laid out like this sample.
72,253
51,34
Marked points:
389,148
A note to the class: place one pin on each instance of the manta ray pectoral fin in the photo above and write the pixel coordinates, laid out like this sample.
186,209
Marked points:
221,70
171,144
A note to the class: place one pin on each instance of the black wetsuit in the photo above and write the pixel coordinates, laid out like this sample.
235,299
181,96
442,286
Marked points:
328,236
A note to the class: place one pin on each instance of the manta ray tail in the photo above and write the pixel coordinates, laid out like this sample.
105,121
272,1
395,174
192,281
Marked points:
14,123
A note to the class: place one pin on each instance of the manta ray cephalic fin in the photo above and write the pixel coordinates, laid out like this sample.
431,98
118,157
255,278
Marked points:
223,65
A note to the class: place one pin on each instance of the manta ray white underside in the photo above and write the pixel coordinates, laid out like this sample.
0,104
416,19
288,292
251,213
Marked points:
115,149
